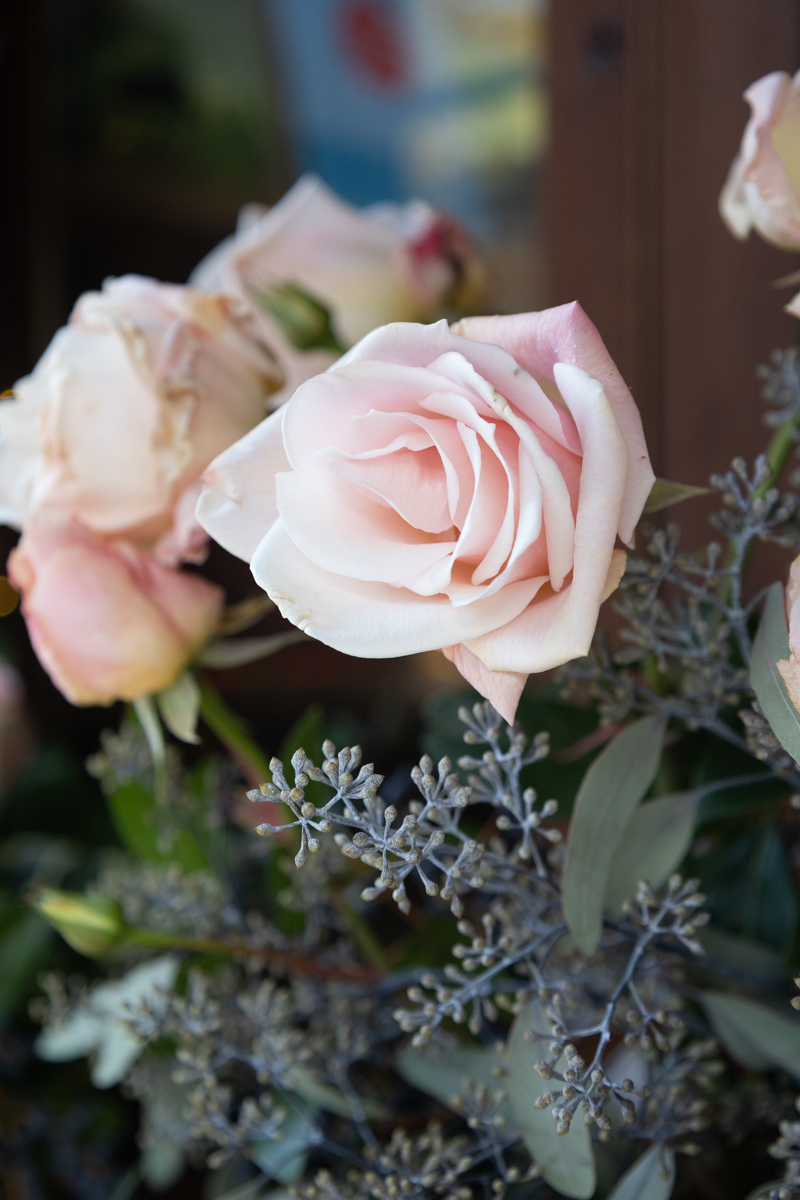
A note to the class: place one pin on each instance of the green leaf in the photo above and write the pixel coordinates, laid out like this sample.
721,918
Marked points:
304,320
322,1095
24,947
179,706
652,1177
238,652
133,811
653,844
443,1075
756,1036
565,1161
762,962
611,789
286,1160
664,493
772,644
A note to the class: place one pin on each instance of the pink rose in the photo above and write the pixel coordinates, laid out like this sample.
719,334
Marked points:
762,191
445,489
790,667
127,406
369,266
106,620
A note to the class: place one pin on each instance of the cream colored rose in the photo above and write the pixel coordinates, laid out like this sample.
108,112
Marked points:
127,406
762,191
437,489
107,621
369,266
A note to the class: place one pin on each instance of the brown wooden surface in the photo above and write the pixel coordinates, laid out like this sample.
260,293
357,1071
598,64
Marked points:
647,116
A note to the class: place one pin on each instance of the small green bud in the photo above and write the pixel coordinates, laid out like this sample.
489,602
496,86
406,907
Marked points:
92,925
304,321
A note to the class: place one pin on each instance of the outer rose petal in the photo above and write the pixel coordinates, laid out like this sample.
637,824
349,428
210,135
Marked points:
129,403
538,341
501,688
761,191
238,504
107,621
372,620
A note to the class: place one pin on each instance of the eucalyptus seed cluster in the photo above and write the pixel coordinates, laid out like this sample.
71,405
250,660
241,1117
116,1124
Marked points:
685,645
426,845
787,1148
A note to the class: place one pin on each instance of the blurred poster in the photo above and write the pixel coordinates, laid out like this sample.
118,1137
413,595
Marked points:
443,99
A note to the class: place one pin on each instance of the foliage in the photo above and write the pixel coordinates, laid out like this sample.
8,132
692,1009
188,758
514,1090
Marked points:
493,974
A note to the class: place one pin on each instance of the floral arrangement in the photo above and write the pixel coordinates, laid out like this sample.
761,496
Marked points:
555,957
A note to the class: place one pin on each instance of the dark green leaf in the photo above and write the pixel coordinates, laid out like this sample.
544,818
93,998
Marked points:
24,947
664,493
612,788
652,1177
770,646
653,845
565,1161
133,811
756,1036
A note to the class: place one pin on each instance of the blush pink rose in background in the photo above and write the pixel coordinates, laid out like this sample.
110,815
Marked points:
445,489
790,667
107,621
127,406
369,266
762,191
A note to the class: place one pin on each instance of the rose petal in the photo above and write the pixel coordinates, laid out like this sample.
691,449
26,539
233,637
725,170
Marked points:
239,503
540,340
355,537
558,627
501,688
373,620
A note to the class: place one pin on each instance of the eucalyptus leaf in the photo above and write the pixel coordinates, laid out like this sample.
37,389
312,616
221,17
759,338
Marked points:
238,652
756,1036
772,644
286,1160
653,844
652,1177
179,706
442,1075
611,789
323,1095
664,493
565,1161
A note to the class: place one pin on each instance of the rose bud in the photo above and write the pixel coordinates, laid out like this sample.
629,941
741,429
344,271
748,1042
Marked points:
108,621
762,191
387,262
445,489
127,406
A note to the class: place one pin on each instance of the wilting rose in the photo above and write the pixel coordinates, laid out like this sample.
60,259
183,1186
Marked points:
107,620
369,266
127,406
436,489
762,191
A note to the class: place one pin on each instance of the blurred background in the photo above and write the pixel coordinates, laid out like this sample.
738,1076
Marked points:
582,142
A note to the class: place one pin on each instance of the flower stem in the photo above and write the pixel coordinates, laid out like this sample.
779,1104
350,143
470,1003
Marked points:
297,963
230,730
778,450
